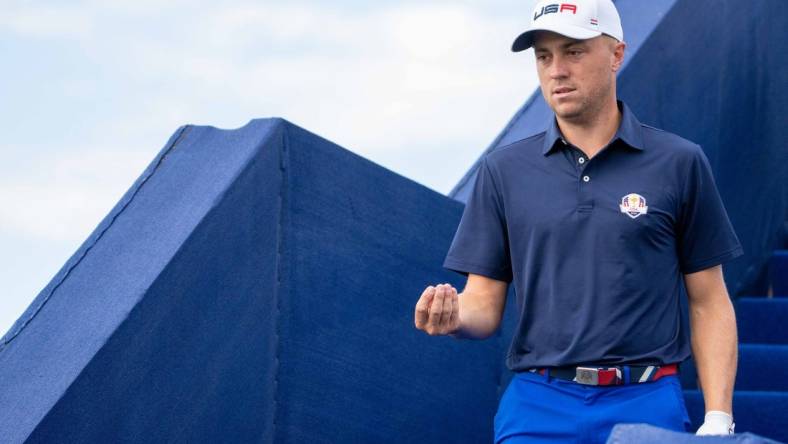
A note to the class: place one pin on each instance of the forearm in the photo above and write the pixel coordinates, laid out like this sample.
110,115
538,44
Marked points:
715,351
478,320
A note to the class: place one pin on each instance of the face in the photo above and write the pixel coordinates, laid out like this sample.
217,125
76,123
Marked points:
577,77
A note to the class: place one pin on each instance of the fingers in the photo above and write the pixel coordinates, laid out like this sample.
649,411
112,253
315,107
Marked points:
436,308
423,307
447,309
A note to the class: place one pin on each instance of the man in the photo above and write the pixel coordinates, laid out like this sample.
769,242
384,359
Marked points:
597,220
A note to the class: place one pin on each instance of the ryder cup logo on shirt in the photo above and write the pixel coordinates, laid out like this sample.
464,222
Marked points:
633,205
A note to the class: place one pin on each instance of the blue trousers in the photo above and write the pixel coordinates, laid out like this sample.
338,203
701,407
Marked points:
538,408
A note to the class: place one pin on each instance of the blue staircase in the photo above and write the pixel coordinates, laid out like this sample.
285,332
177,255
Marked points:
760,397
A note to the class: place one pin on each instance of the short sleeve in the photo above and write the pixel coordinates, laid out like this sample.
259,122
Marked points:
705,235
481,243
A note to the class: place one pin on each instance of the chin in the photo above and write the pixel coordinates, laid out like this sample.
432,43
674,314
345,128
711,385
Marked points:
567,110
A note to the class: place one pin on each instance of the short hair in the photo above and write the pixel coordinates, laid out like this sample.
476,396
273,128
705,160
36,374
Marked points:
611,41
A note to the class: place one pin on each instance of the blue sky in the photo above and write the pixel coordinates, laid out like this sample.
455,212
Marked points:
91,90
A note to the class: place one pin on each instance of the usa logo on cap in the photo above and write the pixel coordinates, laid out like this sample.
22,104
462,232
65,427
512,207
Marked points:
633,205
578,19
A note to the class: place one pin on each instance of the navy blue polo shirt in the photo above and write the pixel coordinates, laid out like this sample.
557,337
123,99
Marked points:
597,248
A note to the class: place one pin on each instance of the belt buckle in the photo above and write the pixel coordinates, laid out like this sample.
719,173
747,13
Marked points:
590,376
587,375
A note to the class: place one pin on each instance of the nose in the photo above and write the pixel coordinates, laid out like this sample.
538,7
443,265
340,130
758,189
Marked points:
558,68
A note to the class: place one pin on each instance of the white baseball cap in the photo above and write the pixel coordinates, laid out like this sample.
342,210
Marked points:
577,19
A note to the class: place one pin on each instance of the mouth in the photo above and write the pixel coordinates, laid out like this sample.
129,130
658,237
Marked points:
562,91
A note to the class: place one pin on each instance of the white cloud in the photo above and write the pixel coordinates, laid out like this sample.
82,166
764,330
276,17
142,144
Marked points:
45,21
65,197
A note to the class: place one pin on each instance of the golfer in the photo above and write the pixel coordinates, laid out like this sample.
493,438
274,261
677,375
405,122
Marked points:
599,221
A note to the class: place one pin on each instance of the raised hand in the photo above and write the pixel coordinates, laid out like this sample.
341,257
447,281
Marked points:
438,310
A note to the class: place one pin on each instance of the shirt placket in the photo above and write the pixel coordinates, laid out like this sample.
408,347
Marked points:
585,183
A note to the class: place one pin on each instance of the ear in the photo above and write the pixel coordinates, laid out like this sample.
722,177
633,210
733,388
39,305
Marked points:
618,55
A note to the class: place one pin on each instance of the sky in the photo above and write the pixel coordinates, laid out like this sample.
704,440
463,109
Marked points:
90,91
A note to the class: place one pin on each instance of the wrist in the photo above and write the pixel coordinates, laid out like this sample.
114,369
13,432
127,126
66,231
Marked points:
724,416
457,332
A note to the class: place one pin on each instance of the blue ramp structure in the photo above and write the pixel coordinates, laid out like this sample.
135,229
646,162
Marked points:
255,285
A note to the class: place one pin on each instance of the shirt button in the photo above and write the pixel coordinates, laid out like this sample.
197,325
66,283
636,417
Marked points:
586,178
582,160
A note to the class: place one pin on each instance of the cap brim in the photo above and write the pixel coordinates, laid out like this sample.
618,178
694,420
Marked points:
526,39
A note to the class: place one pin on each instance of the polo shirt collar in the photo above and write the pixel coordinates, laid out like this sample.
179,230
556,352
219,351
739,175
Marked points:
629,131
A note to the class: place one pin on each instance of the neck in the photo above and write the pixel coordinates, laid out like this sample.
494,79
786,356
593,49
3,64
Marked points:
595,131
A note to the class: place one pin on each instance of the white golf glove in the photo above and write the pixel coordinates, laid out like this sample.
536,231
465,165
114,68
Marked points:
717,422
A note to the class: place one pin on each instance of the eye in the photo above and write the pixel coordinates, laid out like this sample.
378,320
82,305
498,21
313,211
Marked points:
575,52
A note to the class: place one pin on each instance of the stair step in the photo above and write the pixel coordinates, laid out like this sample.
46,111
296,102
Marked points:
762,413
778,272
762,320
762,367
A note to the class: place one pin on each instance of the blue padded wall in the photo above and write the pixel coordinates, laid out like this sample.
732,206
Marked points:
147,331
778,273
255,285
